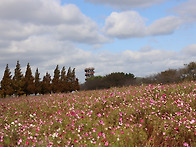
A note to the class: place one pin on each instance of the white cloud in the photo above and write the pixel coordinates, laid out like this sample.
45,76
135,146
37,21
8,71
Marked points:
45,53
24,18
48,12
129,24
187,10
14,30
43,33
166,25
125,4
125,24
190,50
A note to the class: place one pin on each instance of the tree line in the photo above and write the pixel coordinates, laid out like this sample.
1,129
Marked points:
28,84
188,73
116,79
119,79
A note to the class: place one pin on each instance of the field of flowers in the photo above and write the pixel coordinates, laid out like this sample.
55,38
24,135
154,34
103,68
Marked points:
148,115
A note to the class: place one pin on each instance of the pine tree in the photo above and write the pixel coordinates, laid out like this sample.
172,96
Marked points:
72,81
6,83
56,80
46,84
18,80
37,82
76,84
29,87
63,80
69,80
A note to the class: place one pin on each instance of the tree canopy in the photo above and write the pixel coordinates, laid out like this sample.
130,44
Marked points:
29,84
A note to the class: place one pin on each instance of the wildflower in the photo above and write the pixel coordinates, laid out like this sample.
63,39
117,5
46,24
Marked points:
27,142
106,144
54,135
141,120
103,134
113,132
99,115
101,122
100,134
185,144
177,129
192,121
19,141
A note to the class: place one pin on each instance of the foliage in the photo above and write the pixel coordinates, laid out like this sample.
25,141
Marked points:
46,86
29,86
18,80
72,81
6,83
117,79
37,82
63,81
148,115
187,73
56,80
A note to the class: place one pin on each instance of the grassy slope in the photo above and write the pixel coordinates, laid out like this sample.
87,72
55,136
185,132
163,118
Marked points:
153,115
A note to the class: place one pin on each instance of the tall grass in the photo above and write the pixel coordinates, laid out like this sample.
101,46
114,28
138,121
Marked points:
150,115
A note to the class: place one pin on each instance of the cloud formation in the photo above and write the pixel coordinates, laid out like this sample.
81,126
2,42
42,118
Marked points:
187,10
129,24
46,33
125,24
125,4
41,17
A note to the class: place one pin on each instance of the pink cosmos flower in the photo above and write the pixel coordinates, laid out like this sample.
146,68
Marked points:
106,144
186,144
99,115
100,134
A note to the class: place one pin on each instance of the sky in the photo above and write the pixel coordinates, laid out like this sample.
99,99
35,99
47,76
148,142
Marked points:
142,37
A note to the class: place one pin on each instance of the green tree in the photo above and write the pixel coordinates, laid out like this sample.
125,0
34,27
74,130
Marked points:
168,76
46,84
70,79
191,71
63,80
76,84
56,80
6,83
37,82
29,87
73,82
18,83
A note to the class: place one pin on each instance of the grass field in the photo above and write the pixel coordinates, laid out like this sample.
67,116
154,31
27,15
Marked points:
148,115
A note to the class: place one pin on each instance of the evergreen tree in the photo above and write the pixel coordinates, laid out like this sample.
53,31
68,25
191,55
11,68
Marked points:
6,83
37,82
69,79
56,80
29,87
72,81
76,84
46,84
63,80
18,80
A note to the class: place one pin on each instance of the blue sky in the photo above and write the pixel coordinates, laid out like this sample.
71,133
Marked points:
133,36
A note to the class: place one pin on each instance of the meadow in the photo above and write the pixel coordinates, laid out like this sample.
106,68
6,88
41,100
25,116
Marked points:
146,115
